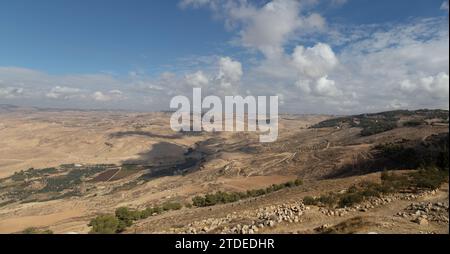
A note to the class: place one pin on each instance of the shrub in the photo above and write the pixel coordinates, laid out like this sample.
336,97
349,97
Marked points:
124,214
413,123
352,189
431,178
122,226
210,199
298,182
171,206
157,209
391,182
289,184
126,217
104,224
198,201
370,189
36,231
350,199
308,200
146,213
329,200
227,197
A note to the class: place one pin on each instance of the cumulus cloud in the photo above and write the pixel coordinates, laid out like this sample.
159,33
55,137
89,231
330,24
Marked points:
62,92
376,67
112,95
394,63
314,64
289,50
436,86
326,87
197,79
265,28
315,61
321,87
229,70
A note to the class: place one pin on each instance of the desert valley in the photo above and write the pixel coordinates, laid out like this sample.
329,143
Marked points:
74,171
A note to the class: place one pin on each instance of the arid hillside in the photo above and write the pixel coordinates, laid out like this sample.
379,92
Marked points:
60,170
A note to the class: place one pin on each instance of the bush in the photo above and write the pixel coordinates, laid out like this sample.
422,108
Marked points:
431,178
289,184
227,197
298,182
124,214
329,200
210,199
308,200
126,217
370,189
146,213
104,224
36,231
198,201
391,182
352,189
350,199
413,123
171,206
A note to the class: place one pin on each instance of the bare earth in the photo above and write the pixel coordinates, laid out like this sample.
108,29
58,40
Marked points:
31,138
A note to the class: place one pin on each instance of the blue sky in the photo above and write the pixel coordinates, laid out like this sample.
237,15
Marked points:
67,36
86,46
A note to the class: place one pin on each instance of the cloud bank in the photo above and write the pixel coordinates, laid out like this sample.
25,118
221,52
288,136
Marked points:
315,66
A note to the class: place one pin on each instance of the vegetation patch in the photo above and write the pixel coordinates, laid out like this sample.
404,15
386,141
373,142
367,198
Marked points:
391,182
380,122
125,217
36,231
221,197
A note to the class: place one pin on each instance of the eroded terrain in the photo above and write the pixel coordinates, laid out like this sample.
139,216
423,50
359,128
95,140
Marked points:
60,169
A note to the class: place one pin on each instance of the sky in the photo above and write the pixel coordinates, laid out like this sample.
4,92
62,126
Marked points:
318,56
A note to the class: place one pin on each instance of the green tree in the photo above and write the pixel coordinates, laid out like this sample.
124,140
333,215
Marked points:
104,224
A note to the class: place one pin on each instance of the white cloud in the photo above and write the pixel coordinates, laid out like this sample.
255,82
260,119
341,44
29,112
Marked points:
326,87
112,95
322,87
267,28
230,70
335,68
100,96
197,79
62,92
315,61
404,63
437,85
